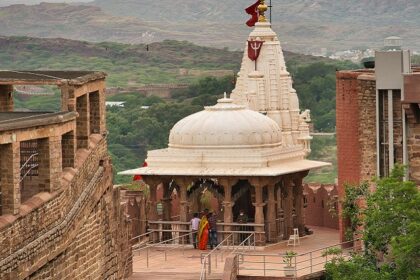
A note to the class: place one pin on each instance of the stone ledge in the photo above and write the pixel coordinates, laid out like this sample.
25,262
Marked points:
37,120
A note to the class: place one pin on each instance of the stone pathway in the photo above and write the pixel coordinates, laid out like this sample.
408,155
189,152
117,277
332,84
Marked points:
185,264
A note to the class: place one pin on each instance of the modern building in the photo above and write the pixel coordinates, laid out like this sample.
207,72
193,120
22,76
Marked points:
378,119
60,217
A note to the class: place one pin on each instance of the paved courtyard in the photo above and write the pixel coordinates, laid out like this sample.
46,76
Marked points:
185,263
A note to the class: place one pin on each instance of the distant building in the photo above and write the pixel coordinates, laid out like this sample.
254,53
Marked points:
115,104
378,119
60,217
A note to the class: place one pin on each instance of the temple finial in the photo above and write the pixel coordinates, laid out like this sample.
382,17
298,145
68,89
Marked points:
262,8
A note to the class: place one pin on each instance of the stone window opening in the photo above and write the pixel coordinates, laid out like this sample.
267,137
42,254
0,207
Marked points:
68,149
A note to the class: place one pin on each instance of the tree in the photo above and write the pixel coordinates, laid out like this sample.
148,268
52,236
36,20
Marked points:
391,230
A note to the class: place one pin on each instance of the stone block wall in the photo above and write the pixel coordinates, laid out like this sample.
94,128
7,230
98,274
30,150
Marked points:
348,146
321,206
82,122
366,103
9,180
94,253
62,219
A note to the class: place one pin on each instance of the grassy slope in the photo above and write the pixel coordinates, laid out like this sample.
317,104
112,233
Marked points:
125,64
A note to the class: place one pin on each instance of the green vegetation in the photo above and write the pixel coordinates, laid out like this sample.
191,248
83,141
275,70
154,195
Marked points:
134,131
391,227
288,258
126,64
351,208
323,148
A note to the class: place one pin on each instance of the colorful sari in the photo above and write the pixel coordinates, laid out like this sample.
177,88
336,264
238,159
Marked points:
203,233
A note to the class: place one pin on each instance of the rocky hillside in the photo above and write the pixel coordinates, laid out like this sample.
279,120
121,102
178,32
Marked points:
303,25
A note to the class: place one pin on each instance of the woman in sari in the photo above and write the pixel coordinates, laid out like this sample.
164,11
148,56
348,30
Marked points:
203,233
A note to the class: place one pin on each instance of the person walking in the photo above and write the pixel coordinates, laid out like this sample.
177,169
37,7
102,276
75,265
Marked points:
195,222
212,217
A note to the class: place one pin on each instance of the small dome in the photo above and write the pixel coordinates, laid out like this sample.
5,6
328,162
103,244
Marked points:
225,125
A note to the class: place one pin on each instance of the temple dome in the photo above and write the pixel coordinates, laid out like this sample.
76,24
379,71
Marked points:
225,125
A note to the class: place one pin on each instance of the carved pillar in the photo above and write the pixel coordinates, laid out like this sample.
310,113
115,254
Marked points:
271,213
227,202
280,211
298,192
183,184
288,207
152,214
259,213
167,208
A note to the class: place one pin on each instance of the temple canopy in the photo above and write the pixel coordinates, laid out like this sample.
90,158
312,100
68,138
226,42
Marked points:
226,140
250,149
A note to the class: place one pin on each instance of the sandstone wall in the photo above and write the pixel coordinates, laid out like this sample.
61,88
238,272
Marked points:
68,234
366,135
320,209
348,146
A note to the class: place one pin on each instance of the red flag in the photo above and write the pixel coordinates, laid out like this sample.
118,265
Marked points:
254,48
138,177
253,11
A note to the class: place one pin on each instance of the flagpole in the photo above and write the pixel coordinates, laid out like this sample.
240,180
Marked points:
271,7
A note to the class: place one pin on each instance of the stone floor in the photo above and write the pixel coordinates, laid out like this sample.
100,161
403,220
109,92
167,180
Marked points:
185,263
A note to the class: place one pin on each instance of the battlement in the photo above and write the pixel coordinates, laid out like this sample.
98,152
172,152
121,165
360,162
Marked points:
36,146
56,183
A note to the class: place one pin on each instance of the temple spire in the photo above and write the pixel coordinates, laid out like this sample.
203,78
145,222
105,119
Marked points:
262,8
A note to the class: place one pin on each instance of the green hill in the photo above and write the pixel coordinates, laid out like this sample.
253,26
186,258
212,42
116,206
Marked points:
134,130
305,26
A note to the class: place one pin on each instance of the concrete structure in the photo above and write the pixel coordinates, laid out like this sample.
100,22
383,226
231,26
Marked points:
60,217
249,150
378,122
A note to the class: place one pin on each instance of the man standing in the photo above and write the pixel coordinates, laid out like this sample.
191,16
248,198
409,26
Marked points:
242,219
213,229
195,221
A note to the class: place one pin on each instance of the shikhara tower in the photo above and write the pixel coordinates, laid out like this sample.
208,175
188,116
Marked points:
266,86
251,155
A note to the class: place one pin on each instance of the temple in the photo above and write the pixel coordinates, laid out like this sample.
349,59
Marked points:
248,150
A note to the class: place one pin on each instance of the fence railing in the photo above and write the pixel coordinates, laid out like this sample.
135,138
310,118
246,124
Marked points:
305,263
174,228
168,246
226,248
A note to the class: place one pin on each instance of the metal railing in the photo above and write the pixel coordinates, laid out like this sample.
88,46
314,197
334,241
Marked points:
223,229
220,250
312,261
28,166
176,243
